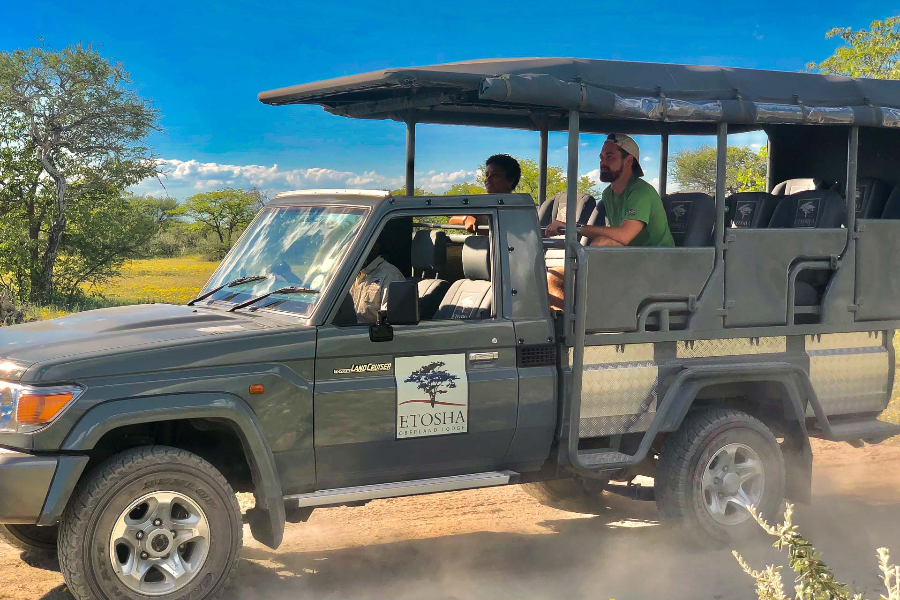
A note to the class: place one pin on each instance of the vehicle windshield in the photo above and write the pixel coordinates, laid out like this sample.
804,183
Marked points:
288,246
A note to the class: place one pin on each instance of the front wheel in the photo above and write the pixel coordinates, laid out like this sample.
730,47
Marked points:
718,463
151,521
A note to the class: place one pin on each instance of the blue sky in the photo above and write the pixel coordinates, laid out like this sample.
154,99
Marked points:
203,63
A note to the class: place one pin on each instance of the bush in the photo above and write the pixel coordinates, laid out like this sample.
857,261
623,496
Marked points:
213,250
815,580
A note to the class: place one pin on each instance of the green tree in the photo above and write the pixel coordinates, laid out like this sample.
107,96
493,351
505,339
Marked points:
866,53
417,191
696,169
222,212
465,189
161,211
70,128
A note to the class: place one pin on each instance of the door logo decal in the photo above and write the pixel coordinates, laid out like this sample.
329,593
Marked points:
432,395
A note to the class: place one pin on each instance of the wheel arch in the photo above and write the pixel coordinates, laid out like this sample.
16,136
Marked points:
109,417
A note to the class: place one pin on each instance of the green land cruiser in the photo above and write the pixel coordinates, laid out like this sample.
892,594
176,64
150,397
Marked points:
125,432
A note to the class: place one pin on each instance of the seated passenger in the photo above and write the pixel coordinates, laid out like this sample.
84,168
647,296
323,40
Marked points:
369,291
501,176
634,210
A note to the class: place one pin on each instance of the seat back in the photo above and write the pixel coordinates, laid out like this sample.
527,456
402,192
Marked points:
472,297
795,186
892,206
429,256
597,217
555,208
749,209
821,209
871,197
692,217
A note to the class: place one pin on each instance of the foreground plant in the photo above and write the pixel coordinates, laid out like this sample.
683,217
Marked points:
815,580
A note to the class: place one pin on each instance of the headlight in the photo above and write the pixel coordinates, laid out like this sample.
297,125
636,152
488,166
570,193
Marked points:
25,408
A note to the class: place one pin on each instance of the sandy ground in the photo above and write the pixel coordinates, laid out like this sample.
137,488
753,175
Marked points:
499,543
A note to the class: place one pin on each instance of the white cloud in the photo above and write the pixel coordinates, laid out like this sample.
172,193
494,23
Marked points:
757,146
647,158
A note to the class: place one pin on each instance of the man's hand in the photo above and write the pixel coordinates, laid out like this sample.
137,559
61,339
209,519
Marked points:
554,228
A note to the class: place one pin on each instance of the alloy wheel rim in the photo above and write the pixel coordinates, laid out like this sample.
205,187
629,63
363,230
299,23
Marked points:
159,543
734,479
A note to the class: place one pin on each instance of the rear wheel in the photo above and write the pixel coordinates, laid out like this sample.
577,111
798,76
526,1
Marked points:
718,463
152,521
31,539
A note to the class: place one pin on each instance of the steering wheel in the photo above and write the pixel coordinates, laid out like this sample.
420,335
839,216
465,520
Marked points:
281,270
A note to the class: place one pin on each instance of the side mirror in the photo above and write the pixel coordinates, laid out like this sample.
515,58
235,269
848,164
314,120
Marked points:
403,303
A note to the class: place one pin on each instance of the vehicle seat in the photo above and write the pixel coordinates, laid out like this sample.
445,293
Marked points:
795,186
555,208
871,197
598,217
692,218
749,209
820,209
470,298
429,255
892,207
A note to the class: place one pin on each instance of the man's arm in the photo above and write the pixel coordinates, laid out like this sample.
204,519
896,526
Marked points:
623,234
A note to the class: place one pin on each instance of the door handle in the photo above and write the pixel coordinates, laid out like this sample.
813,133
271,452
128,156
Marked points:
483,356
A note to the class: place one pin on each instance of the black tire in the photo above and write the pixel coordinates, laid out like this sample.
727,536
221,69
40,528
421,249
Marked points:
100,499
687,453
31,539
573,495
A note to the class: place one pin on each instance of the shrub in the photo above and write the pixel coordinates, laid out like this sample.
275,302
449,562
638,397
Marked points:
815,580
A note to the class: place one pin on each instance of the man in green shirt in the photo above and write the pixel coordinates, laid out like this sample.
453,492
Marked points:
634,211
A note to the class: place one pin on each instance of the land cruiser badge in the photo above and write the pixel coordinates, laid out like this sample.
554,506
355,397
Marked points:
366,368
432,395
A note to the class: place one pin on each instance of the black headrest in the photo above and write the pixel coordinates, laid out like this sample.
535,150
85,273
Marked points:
692,217
795,186
429,250
750,209
892,207
871,196
476,257
598,217
821,209
555,208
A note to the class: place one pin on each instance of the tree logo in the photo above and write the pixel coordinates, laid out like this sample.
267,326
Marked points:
432,395
807,208
433,380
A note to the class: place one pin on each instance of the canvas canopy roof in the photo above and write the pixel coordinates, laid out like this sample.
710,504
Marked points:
532,93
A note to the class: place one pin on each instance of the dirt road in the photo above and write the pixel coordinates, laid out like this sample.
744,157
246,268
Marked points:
499,543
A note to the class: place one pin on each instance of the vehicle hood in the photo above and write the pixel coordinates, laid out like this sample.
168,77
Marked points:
114,329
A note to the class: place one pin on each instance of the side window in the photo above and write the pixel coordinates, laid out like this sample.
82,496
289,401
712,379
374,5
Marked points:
449,257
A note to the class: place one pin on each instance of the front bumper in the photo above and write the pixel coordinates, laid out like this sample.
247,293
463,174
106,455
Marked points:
25,480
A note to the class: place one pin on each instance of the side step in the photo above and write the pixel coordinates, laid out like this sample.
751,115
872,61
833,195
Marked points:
400,488
867,429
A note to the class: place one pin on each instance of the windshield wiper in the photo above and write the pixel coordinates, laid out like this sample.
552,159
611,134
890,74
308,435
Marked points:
232,283
285,290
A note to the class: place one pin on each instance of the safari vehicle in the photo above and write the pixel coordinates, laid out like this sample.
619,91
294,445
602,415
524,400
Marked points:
706,367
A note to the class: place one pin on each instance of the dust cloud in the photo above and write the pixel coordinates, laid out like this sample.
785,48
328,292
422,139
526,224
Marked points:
501,544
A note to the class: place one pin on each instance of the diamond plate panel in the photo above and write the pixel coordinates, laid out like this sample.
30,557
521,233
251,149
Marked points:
837,341
850,380
604,355
731,347
615,425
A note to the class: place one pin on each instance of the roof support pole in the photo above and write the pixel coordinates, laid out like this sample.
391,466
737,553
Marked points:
542,164
721,155
571,215
663,163
410,154
770,172
852,161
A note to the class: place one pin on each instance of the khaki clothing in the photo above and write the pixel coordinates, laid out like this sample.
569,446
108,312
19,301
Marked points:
369,291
